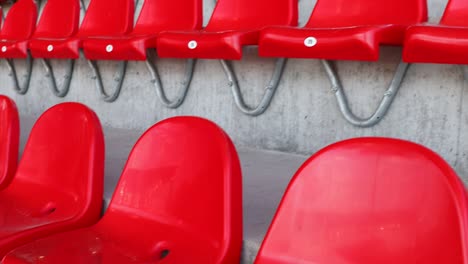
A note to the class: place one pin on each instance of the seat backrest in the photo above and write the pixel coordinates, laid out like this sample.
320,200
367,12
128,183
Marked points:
65,152
346,13
160,15
252,15
185,170
455,13
370,200
9,140
20,21
108,18
59,19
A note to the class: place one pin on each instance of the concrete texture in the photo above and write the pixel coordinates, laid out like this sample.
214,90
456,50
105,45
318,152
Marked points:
266,176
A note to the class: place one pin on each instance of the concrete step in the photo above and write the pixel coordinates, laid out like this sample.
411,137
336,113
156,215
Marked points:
265,177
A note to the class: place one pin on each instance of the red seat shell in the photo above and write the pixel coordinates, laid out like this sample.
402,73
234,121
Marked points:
443,43
345,30
9,140
54,34
234,24
58,185
156,16
367,201
17,28
178,200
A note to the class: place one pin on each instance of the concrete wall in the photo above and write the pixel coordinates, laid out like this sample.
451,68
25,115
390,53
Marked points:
303,116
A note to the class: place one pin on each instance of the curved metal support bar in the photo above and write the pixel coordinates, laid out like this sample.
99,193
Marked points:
156,80
21,89
119,79
83,6
385,103
270,89
62,92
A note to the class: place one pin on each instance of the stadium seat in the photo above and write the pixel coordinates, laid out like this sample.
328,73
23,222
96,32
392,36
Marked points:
443,43
345,30
155,16
367,201
130,43
178,201
233,25
54,37
117,22
9,140
58,185
17,28
57,35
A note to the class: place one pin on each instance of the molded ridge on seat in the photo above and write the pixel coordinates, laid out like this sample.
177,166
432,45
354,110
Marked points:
53,37
443,43
179,198
9,140
234,24
155,16
345,30
370,200
58,185
18,26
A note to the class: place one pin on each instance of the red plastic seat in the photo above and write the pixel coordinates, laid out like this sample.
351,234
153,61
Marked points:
345,30
103,18
17,29
58,185
117,22
53,35
155,16
367,201
234,24
178,201
444,43
9,140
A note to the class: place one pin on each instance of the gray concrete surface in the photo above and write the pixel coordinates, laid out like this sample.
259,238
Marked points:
266,175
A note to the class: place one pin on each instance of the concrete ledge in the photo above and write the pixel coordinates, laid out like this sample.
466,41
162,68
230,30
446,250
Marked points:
265,177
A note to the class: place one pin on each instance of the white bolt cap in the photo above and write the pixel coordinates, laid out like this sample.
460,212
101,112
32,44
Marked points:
192,44
310,42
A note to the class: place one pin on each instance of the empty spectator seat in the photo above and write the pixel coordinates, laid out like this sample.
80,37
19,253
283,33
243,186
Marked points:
58,185
367,201
233,25
17,28
54,36
443,43
345,30
178,201
155,16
